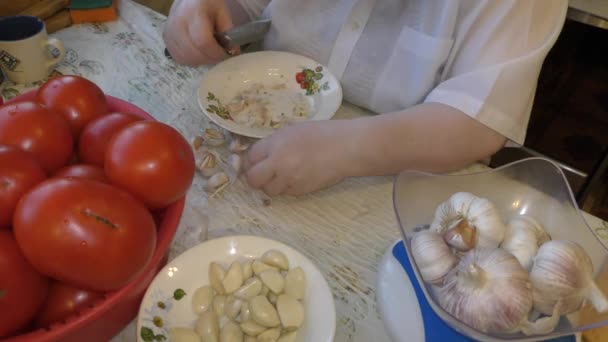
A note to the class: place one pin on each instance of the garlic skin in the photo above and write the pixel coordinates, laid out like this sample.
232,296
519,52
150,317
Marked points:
488,290
209,164
432,256
213,137
521,242
563,271
467,221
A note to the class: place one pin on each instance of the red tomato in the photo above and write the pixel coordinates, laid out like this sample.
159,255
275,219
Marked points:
95,136
151,160
22,288
83,171
76,98
19,172
64,301
85,233
38,130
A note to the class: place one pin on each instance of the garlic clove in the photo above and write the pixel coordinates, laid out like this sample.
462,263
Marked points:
263,313
251,288
247,270
432,256
276,258
216,181
231,332
219,304
295,283
521,241
562,270
239,144
251,328
273,280
291,312
542,326
180,334
250,339
270,335
233,307
209,164
213,137
236,163
207,326
234,278
216,277
288,336
259,267
245,314
202,299
488,290
479,214
197,142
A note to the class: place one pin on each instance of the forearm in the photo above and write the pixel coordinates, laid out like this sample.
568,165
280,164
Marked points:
429,137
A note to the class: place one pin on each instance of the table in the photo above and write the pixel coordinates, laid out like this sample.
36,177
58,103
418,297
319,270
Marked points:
344,230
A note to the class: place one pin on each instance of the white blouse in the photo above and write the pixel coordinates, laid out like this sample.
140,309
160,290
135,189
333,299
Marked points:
482,57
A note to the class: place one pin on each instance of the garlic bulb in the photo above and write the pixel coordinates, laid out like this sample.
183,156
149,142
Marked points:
488,290
467,221
563,271
522,238
432,256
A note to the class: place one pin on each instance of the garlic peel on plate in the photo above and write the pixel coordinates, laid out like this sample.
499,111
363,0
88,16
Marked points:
488,290
467,221
432,255
563,271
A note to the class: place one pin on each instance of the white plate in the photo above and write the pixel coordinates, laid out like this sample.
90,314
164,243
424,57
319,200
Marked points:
268,68
189,272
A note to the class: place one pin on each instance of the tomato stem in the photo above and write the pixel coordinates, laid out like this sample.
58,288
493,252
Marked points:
99,218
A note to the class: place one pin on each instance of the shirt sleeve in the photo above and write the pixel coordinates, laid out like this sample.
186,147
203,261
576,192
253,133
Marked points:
253,8
492,70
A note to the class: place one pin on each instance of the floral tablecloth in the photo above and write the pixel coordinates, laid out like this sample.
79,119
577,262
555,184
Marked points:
344,230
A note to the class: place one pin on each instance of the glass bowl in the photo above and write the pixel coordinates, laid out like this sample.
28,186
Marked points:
533,186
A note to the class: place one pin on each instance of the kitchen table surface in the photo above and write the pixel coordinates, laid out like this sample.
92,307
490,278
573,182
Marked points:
345,230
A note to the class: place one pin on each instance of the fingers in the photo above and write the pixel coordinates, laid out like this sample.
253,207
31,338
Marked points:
259,151
260,174
276,186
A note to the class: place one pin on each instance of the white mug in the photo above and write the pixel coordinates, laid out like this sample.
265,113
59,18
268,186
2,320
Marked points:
25,49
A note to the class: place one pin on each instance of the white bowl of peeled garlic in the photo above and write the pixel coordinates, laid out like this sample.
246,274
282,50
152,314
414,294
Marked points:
238,288
503,254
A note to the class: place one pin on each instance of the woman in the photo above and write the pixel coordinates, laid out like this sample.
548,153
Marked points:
453,80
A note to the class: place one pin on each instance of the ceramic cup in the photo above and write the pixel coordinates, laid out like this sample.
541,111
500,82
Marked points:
25,49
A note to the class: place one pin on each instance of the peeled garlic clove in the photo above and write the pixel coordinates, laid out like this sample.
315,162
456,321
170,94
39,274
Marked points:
488,290
291,312
274,280
239,144
216,181
202,299
288,336
250,339
245,312
183,335
478,214
234,278
231,332
209,165
270,335
232,307
265,290
207,327
272,298
432,256
259,267
247,270
216,277
219,303
276,258
520,241
263,313
295,283
251,288
251,328
213,137
563,271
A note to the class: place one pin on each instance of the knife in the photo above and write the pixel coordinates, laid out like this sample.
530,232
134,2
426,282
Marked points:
240,35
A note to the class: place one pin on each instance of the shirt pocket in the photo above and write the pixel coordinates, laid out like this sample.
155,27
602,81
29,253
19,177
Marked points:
412,70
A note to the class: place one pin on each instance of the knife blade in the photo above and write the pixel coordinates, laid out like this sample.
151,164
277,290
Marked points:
240,35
